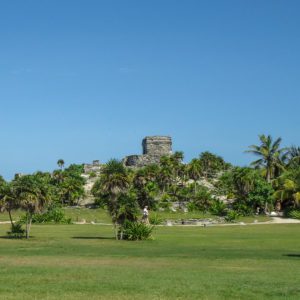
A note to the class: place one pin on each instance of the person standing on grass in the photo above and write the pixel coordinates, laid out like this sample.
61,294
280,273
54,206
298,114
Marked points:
145,215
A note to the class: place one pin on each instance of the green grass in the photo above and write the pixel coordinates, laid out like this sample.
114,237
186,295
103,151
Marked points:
97,215
84,262
164,215
100,215
15,214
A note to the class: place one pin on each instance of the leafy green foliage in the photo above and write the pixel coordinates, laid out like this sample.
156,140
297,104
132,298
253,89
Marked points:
92,174
113,188
218,208
212,164
251,191
261,193
225,184
54,214
231,216
270,156
287,188
137,231
154,219
293,213
202,199
16,231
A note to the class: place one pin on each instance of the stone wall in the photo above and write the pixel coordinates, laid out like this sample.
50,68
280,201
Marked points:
94,167
154,147
157,145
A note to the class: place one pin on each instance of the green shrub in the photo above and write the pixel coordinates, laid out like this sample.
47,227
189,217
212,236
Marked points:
231,216
203,198
191,206
293,213
218,208
17,231
92,174
165,205
135,231
155,220
54,214
243,209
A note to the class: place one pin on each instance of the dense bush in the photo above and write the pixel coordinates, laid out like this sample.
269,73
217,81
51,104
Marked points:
231,216
191,206
16,231
135,231
54,214
202,199
155,220
242,208
218,207
293,213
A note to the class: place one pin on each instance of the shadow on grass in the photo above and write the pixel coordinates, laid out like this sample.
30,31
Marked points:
93,238
15,238
292,255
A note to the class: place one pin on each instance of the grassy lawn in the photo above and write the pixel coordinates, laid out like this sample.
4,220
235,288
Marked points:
76,214
84,262
99,215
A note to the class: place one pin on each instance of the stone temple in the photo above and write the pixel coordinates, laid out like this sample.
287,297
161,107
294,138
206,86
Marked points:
154,147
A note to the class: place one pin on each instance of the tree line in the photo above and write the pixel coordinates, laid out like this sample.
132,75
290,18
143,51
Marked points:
207,183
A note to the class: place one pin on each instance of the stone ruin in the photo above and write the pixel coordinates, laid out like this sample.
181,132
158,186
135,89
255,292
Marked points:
95,167
154,147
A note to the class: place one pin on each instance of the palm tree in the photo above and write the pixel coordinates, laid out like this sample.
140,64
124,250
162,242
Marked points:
7,201
32,194
293,156
166,173
211,164
177,165
194,172
288,188
269,154
114,182
61,163
71,190
244,180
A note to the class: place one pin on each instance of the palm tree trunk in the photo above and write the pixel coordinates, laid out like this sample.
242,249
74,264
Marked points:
28,225
27,221
116,230
268,175
10,218
266,207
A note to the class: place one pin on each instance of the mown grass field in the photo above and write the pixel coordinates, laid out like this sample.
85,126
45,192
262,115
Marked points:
100,215
85,262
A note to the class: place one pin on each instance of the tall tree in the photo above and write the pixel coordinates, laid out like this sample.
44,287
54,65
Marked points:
292,157
31,193
166,173
212,164
61,163
269,154
113,184
288,188
176,161
7,200
194,172
251,189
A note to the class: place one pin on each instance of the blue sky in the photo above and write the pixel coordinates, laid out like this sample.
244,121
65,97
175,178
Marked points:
84,80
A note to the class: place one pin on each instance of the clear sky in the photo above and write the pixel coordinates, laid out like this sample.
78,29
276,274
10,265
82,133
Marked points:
88,79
